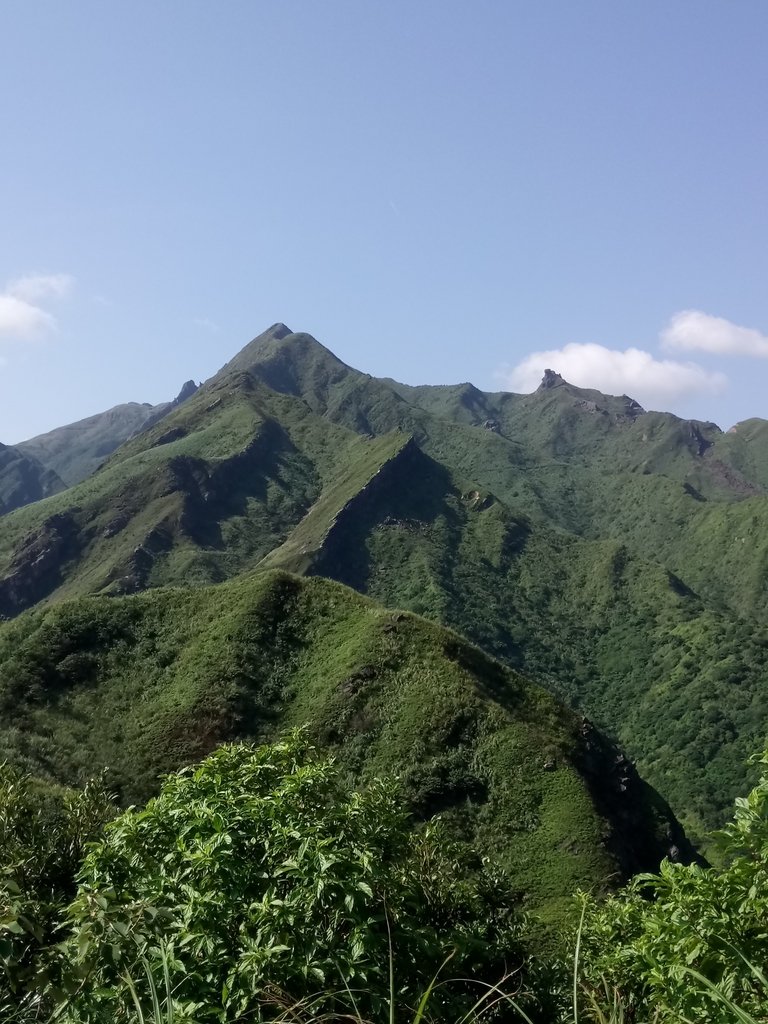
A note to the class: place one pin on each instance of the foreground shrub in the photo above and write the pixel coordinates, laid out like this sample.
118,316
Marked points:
43,834
690,942
259,877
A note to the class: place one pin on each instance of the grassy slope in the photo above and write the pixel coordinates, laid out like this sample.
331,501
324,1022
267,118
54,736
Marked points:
603,550
205,494
147,683
744,447
679,684
76,450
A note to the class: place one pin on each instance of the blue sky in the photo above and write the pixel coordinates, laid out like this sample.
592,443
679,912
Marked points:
438,191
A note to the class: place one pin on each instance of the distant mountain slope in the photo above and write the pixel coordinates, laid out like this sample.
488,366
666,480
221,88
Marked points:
681,684
148,683
745,448
23,479
674,491
76,450
618,556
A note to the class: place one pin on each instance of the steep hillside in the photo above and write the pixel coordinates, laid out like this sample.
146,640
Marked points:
617,556
23,479
76,450
200,497
148,683
596,466
679,683
745,447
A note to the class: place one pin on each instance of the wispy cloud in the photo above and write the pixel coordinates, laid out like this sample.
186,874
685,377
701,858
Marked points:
36,287
21,315
694,331
630,371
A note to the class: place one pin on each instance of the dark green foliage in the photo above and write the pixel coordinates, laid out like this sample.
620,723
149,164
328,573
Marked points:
149,683
44,832
264,880
616,556
648,942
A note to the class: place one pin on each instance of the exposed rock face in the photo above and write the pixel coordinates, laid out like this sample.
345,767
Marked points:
187,390
134,575
588,406
633,407
624,798
551,379
697,441
161,411
37,564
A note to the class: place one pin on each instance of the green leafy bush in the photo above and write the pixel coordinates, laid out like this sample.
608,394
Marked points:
682,943
43,834
259,876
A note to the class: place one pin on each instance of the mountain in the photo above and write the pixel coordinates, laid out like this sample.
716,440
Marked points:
76,450
616,556
23,479
147,683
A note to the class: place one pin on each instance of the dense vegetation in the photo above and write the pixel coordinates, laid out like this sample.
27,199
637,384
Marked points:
254,878
615,556
146,684
691,943
259,886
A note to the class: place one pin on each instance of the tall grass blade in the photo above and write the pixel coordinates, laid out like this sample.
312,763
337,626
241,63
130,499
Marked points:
502,997
135,997
576,955
391,969
739,1015
429,990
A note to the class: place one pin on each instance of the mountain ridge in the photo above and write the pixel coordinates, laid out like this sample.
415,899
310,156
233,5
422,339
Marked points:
76,450
615,555
147,683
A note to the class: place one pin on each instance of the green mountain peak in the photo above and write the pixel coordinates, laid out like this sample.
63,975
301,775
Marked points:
148,683
613,555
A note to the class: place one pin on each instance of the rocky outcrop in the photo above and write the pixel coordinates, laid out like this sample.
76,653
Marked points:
188,389
37,566
551,379
643,827
134,576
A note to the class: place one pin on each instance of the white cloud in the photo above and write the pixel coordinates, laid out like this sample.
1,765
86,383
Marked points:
34,287
694,331
631,371
20,313
22,319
